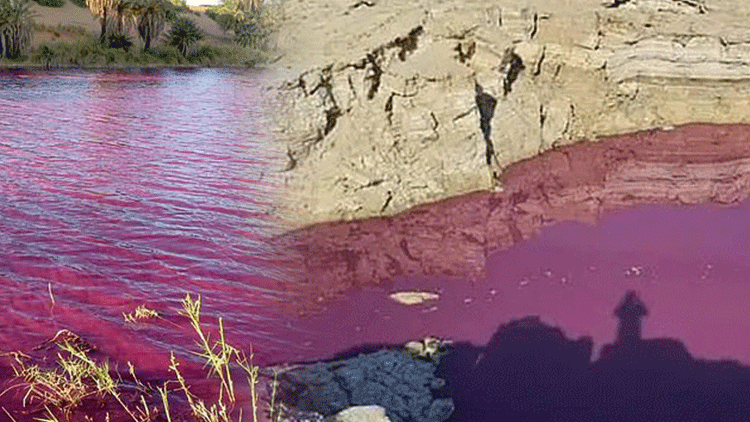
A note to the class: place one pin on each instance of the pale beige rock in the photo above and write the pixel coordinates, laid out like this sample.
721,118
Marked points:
362,414
414,298
375,100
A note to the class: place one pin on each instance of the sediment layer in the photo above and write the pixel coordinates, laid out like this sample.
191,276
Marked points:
692,164
383,105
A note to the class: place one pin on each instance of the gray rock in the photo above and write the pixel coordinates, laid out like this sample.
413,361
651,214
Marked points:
393,379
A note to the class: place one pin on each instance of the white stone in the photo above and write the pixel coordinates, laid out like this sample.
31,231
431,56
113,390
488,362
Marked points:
362,414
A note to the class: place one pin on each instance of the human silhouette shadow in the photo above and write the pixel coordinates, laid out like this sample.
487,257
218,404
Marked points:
530,371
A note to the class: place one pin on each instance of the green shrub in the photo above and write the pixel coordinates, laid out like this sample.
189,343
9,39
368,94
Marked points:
80,3
169,54
205,55
122,41
88,52
184,34
44,54
51,3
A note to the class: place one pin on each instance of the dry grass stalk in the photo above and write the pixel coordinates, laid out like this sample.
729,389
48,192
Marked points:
141,313
77,377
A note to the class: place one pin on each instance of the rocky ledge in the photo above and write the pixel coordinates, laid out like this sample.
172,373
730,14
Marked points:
382,105
692,164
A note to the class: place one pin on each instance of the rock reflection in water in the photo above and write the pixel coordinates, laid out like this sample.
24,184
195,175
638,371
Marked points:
691,259
694,164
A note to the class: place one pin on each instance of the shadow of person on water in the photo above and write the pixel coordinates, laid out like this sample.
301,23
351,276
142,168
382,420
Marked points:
532,371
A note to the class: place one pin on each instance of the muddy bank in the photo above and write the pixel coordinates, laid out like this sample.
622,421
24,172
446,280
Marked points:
692,164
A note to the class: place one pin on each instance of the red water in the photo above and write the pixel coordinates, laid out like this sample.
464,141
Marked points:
124,188
691,266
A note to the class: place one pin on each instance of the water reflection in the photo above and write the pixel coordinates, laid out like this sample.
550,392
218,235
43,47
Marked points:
572,230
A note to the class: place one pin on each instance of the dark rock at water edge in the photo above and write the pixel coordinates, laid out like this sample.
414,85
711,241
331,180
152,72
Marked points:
402,384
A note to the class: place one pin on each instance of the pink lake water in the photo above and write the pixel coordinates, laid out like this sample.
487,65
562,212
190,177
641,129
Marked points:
124,188
138,187
689,264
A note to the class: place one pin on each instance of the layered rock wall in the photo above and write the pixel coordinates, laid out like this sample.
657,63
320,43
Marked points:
692,164
385,104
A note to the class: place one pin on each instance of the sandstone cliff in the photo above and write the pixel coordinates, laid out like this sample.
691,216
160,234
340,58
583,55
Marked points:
385,104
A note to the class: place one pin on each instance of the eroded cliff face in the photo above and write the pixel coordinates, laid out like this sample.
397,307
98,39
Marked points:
386,104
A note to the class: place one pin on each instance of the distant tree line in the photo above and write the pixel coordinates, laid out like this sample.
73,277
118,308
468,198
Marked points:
251,22
148,17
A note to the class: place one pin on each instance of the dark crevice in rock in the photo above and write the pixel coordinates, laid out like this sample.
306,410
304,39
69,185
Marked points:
371,184
389,108
351,87
375,73
372,62
408,43
617,3
387,201
464,114
534,29
324,82
465,50
332,114
511,65
486,104
542,116
362,3
298,83
358,65
538,67
696,4
292,164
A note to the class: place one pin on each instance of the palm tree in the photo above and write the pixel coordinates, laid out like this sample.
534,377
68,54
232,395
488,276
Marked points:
240,10
184,34
150,18
103,9
16,26
113,17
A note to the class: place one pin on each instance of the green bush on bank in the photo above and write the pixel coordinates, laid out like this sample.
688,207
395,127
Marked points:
90,53
80,3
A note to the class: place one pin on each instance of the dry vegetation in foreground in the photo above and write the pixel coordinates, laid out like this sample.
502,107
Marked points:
59,390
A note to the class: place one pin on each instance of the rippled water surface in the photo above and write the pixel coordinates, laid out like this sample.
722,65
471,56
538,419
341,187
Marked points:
124,188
